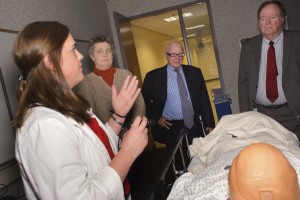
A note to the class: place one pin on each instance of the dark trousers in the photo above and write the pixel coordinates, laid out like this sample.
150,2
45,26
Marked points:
283,115
170,136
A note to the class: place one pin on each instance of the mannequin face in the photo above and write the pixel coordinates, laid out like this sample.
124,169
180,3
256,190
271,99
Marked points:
261,172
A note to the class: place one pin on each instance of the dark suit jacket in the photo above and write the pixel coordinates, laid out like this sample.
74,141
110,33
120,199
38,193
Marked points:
154,91
249,71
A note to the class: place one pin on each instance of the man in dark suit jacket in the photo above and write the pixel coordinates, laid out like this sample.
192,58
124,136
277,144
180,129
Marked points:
161,95
253,68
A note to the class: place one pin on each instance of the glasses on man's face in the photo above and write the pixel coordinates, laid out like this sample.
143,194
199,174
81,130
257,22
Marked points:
180,55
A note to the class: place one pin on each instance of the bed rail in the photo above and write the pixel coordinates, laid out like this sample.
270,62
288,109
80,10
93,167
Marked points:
167,172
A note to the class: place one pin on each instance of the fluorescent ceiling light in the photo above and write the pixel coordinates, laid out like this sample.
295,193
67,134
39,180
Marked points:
188,14
174,18
193,27
170,19
192,35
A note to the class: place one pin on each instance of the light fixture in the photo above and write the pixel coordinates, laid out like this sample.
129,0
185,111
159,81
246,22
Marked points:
193,27
174,18
187,14
192,35
170,19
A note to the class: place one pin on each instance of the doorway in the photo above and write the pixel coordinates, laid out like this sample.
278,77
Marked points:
189,23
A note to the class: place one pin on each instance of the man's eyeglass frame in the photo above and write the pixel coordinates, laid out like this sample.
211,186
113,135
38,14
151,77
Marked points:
180,55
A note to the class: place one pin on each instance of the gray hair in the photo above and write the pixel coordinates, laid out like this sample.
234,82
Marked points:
99,39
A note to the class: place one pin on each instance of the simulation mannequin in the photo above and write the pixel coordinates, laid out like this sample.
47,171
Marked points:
262,172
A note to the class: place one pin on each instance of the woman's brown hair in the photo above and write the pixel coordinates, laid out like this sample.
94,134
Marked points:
39,85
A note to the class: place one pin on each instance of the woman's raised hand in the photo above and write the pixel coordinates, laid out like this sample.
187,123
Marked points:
123,101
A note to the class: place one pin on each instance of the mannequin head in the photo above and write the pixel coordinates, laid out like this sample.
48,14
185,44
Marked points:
262,172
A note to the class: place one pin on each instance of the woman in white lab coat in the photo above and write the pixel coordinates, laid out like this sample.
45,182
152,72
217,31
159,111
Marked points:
58,148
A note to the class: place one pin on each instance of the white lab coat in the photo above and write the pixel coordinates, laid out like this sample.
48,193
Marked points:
62,159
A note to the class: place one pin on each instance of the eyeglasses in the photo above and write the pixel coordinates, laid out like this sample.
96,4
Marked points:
180,55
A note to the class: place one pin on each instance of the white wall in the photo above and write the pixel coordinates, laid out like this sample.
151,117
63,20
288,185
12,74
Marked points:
232,19
292,8
85,18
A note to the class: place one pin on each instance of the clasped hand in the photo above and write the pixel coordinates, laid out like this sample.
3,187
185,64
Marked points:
136,138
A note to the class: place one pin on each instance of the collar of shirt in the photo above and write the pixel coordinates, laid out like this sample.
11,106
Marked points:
276,40
171,68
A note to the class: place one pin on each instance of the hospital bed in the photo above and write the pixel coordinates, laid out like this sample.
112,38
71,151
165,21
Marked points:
212,156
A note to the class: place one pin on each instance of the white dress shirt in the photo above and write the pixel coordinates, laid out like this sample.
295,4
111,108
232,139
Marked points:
261,96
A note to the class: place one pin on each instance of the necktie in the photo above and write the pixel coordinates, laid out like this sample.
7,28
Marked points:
93,124
186,104
271,80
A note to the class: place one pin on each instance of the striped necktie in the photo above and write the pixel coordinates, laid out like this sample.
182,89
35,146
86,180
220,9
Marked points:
186,104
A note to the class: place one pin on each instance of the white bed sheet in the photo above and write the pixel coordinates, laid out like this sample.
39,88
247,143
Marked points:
207,176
